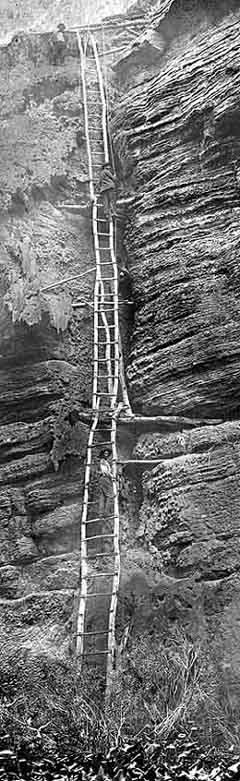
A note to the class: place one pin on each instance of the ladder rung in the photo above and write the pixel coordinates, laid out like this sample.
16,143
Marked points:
106,393
95,520
97,555
95,653
105,518
100,594
98,520
102,536
103,428
103,327
103,360
101,444
102,575
90,634
105,262
112,341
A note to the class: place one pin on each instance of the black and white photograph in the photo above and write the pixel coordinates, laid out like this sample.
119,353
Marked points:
120,390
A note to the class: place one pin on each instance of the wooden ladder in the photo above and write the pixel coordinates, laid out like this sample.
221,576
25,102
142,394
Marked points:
100,550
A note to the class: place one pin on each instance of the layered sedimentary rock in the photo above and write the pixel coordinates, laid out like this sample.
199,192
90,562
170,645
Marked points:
44,373
177,139
177,133
45,345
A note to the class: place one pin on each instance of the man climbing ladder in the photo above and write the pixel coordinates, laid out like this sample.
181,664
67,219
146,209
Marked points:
108,190
105,485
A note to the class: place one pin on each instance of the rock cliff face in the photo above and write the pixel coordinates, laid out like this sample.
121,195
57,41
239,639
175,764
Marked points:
176,133
44,375
175,128
178,130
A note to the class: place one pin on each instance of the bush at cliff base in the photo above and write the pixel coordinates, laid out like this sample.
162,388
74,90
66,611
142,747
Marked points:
52,725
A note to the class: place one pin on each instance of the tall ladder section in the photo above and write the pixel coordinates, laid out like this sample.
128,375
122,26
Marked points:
100,552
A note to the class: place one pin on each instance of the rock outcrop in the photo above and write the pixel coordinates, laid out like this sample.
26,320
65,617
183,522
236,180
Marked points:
177,134
177,139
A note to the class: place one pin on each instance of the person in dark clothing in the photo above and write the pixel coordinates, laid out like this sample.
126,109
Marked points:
80,137
105,485
58,45
73,417
108,190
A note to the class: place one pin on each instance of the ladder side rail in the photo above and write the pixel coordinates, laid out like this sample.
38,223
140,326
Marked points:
92,196
122,379
111,232
83,551
116,312
95,346
103,100
96,245
119,364
101,301
95,399
117,562
116,576
85,105
121,361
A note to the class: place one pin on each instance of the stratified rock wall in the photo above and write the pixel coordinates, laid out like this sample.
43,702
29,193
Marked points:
177,133
43,374
45,371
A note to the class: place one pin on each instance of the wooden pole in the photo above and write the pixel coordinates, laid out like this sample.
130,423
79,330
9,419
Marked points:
83,553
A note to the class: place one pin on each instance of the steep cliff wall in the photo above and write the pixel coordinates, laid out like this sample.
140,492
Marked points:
44,374
176,134
46,346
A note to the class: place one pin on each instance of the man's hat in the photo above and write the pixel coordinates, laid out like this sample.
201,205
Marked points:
102,452
61,26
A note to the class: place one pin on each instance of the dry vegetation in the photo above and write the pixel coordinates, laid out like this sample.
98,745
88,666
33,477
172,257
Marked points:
163,715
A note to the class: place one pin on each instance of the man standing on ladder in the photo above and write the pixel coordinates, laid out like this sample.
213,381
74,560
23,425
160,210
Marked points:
105,485
107,186
58,45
